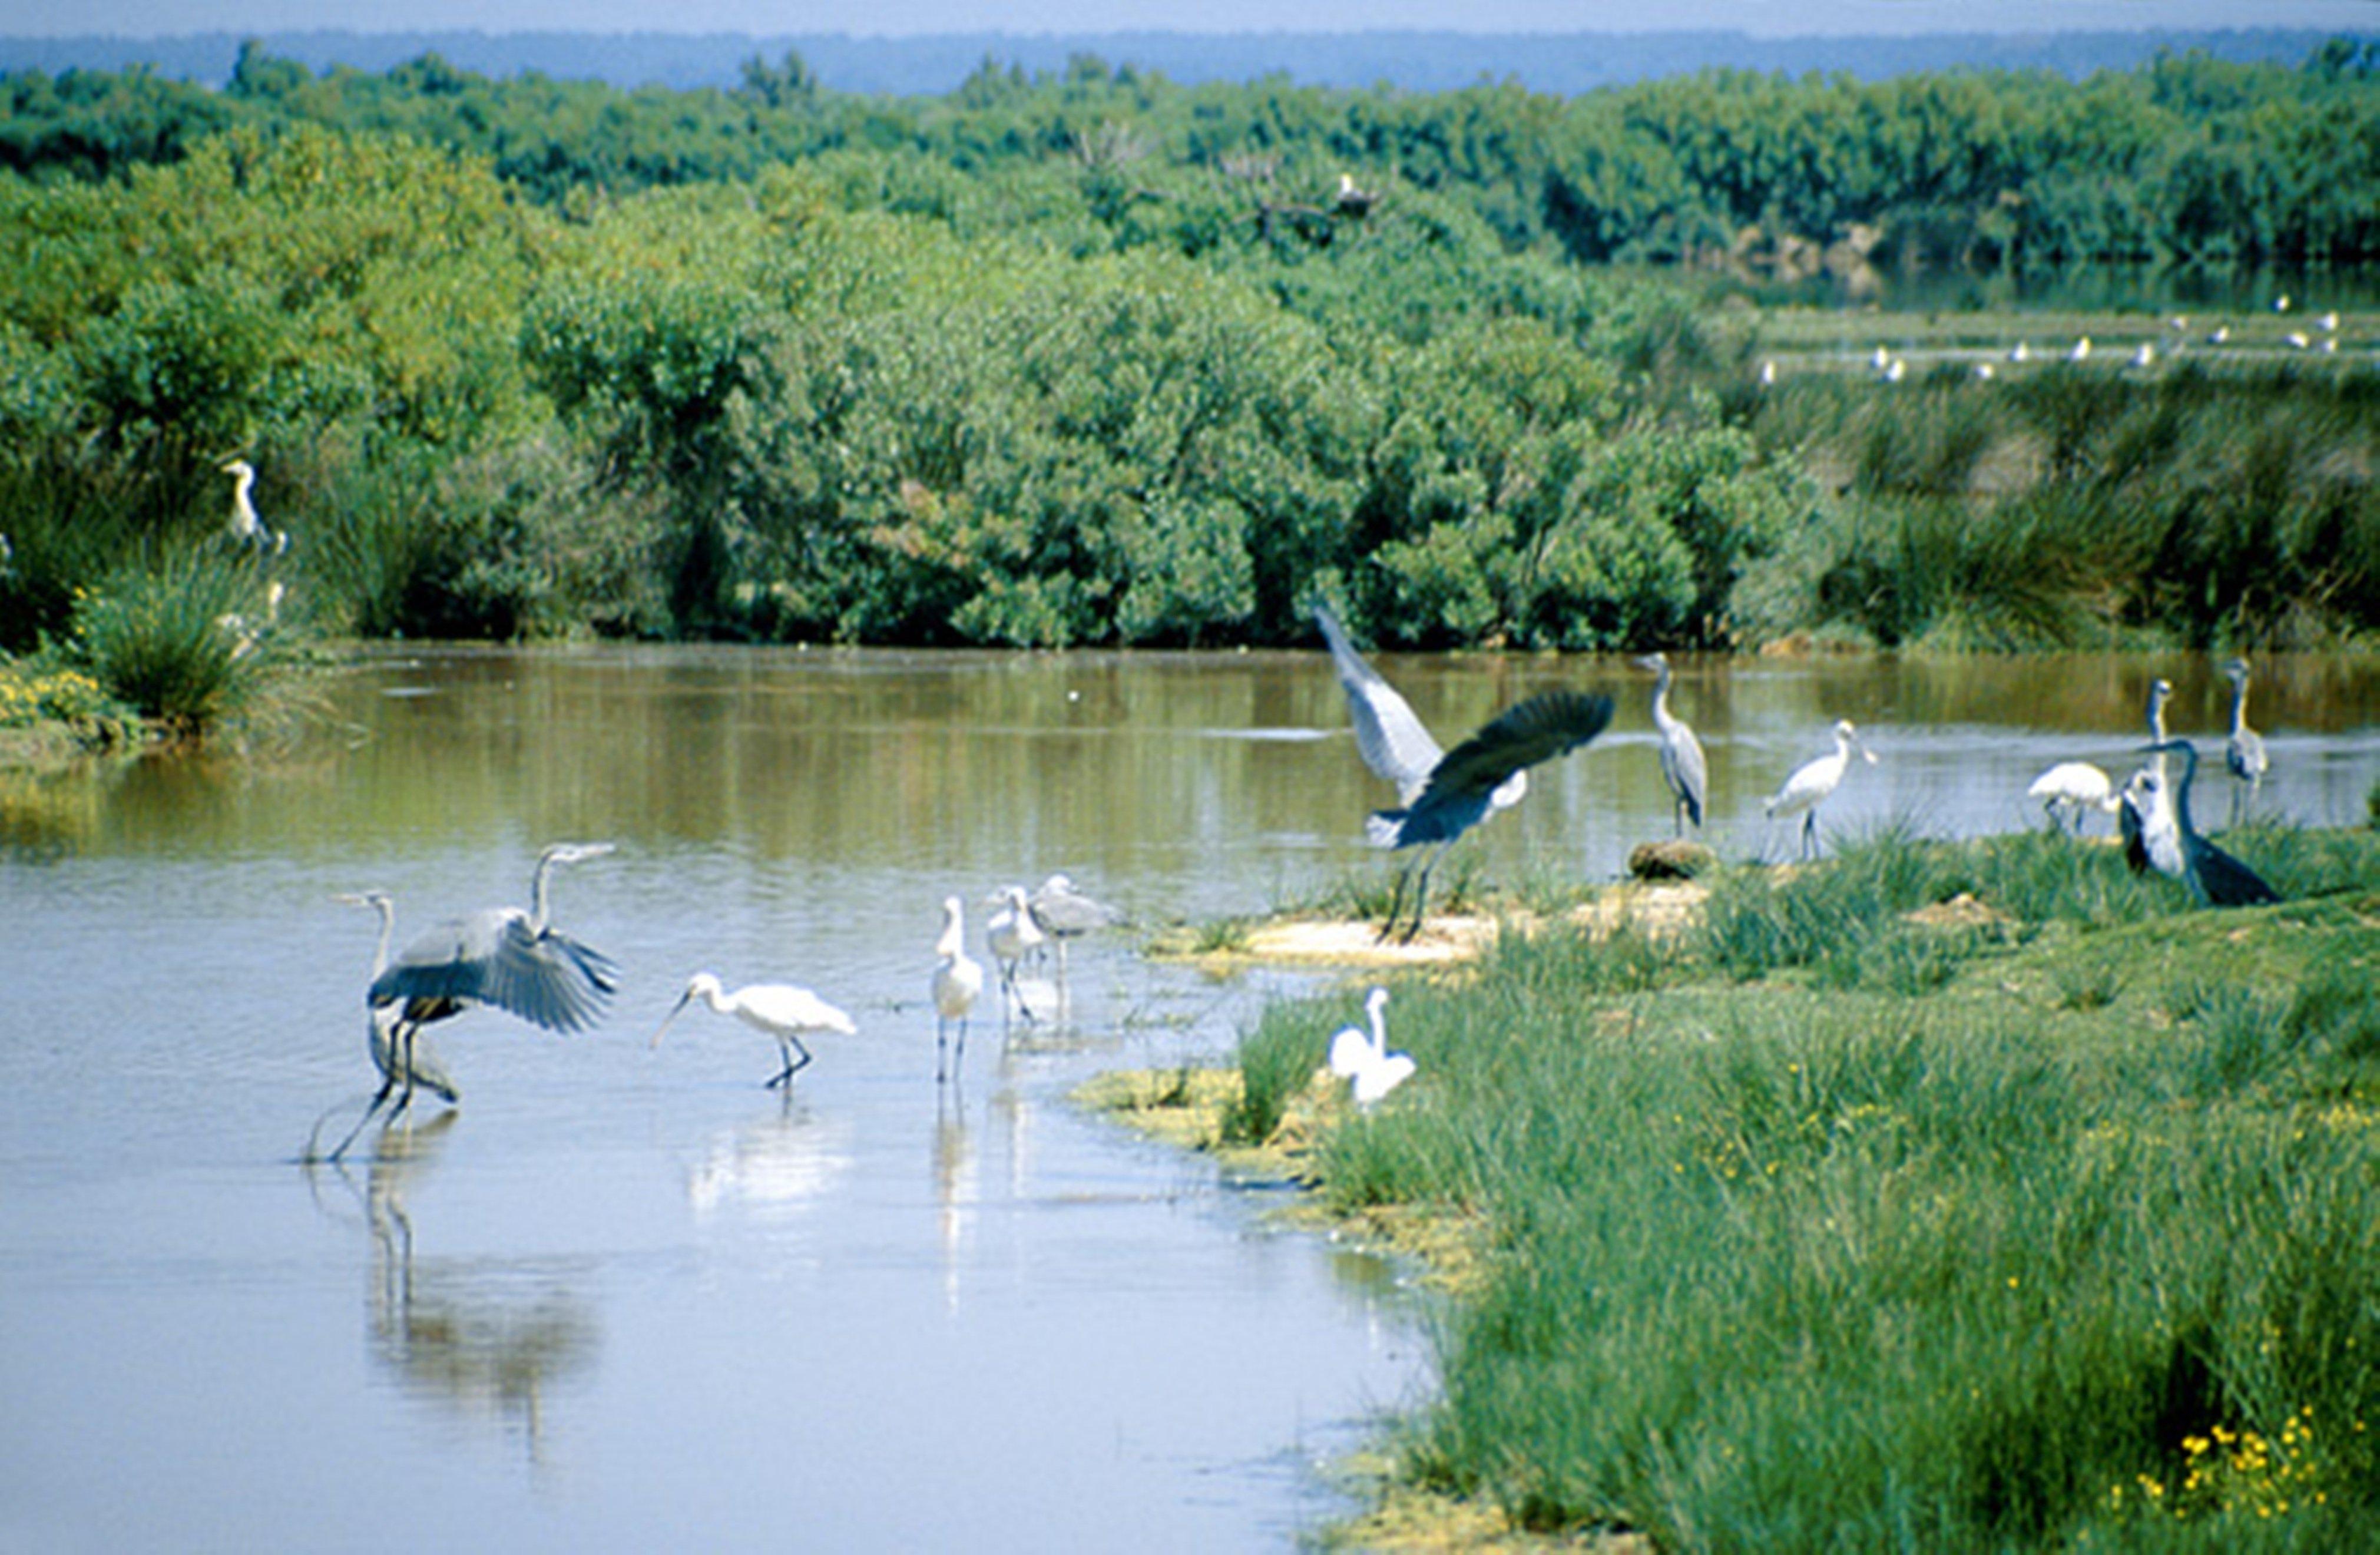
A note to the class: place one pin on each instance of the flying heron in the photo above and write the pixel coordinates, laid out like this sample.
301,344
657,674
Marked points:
512,959
780,1010
1465,784
1810,784
2215,878
1683,767
2245,752
1390,738
958,981
1364,1060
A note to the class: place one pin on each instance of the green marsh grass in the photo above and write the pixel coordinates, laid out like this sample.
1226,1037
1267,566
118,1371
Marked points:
189,641
1945,1256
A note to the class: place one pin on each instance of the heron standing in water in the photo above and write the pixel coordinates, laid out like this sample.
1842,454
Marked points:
2244,754
1683,767
1063,914
512,959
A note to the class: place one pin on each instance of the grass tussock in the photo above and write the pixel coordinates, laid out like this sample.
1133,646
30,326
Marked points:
1946,1197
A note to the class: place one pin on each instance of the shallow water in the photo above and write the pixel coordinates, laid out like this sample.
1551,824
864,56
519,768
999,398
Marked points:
622,1296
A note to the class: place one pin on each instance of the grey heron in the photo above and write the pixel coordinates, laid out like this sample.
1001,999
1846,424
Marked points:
1683,767
1065,914
2070,788
1392,741
2215,878
2245,752
509,957
1364,1059
245,527
780,1010
958,982
1810,784
403,1057
1463,786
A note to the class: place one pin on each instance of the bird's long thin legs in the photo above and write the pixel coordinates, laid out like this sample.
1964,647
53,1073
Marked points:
1810,834
790,1045
958,1056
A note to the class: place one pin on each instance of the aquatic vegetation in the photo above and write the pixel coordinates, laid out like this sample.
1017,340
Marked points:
194,642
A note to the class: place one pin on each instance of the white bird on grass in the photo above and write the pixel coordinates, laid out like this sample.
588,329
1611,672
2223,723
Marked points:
1364,1060
1812,781
958,982
2070,788
780,1010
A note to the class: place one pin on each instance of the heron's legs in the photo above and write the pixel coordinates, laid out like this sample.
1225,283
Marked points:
387,1086
1810,834
790,1045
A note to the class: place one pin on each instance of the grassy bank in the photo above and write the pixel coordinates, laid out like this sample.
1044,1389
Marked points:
1949,1197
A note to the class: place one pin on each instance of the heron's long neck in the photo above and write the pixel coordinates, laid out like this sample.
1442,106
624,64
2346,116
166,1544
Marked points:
387,931
2180,791
1661,714
2156,718
2238,703
537,892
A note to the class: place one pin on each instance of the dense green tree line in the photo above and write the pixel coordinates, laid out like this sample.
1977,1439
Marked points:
1067,384
2188,157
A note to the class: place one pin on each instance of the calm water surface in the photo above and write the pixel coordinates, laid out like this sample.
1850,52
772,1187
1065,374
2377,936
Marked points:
623,1297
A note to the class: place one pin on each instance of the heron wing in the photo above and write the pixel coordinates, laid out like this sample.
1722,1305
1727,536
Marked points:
1392,739
2246,755
1071,911
496,958
1522,736
2134,827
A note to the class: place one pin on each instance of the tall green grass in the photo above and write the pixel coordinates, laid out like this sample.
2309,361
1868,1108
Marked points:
1942,1254
190,641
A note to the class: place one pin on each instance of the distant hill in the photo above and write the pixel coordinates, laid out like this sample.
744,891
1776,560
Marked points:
1561,64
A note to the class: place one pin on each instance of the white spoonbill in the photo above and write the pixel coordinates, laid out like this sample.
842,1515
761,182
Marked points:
2068,789
780,1010
958,982
1807,788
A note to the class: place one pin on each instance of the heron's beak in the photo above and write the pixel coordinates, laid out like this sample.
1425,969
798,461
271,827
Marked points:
683,1000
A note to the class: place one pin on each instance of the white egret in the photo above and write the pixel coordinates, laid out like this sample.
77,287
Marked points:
2215,878
1011,935
780,1010
1364,1060
1812,781
958,982
1682,766
2245,752
2144,355
2081,352
2070,788
1463,786
2020,353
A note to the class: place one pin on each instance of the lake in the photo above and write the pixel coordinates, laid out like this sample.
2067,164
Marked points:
623,1297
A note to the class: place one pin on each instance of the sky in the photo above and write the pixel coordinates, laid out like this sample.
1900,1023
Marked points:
910,18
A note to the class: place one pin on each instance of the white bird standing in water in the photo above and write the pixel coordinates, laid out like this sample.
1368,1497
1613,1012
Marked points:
1682,766
1810,784
1366,1059
958,982
2245,753
2068,789
780,1010
1011,935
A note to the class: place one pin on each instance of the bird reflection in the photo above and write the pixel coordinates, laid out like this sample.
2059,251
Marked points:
488,1338
954,1186
781,1165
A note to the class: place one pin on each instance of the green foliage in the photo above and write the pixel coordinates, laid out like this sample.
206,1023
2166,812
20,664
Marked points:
1965,1260
192,642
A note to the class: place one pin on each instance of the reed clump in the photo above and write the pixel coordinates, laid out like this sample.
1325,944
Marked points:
1853,1220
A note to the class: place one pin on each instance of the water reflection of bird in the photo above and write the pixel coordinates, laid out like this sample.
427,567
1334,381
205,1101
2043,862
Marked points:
958,982
1683,767
1810,784
2215,878
2244,754
512,959
1391,740
1463,786
779,1010
2070,788
1364,1059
